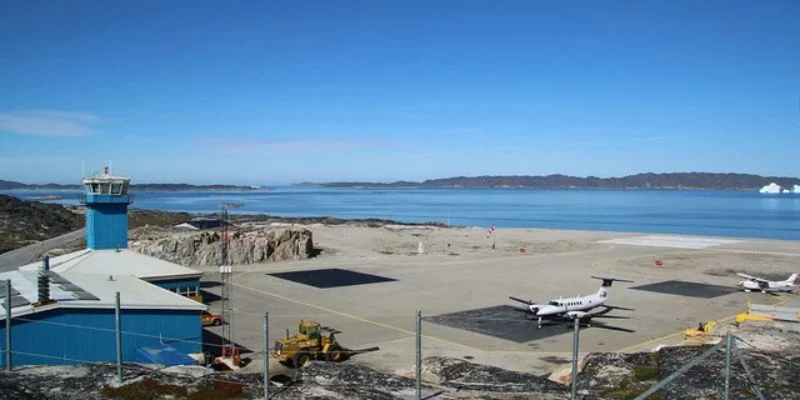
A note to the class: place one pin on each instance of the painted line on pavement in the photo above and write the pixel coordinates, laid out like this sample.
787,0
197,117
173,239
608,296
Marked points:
350,316
390,327
672,335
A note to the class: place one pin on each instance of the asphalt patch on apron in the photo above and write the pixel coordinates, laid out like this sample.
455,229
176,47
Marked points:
688,289
331,278
502,322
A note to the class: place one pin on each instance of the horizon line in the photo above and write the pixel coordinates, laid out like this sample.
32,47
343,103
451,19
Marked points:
398,181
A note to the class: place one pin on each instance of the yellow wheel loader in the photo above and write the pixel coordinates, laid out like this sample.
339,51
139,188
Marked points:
309,344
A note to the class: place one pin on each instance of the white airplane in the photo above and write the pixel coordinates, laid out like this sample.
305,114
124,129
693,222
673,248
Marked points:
755,283
567,309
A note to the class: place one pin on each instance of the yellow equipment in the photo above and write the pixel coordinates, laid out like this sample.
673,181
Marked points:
702,329
308,343
747,316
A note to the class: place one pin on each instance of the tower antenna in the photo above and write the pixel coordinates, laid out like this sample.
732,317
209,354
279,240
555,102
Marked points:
229,352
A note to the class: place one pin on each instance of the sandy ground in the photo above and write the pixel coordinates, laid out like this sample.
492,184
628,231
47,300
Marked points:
459,270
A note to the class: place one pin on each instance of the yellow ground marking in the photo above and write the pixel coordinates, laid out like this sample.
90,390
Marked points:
681,332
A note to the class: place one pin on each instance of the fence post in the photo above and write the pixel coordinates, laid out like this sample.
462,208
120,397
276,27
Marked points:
727,365
266,355
118,328
8,324
419,356
753,381
575,358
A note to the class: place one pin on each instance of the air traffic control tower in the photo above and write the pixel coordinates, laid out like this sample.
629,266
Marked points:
106,199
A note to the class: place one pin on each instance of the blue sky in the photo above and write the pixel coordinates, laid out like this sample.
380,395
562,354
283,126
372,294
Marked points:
278,92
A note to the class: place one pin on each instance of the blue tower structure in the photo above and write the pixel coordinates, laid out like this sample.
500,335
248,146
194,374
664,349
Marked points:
106,199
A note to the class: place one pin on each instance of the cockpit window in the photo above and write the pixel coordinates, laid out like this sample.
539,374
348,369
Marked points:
553,303
314,331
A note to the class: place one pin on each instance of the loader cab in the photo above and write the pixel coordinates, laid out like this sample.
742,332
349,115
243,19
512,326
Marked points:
310,330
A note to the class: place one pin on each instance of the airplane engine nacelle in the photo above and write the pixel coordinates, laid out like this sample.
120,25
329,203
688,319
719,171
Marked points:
576,314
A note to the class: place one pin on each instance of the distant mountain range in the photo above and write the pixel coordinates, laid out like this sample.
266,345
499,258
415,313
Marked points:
12,185
678,180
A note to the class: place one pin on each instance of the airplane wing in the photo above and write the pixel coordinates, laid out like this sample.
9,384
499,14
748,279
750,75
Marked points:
752,278
619,308
528,302
604,313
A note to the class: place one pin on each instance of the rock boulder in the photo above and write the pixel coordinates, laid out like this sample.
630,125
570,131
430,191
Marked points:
244,247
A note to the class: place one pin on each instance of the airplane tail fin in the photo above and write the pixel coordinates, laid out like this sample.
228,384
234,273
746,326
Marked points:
607,282
792,278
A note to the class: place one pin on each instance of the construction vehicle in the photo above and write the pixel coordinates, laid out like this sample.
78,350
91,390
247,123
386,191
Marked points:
308,343
211,319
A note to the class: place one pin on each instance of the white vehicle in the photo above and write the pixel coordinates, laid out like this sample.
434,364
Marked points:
580,307
762,285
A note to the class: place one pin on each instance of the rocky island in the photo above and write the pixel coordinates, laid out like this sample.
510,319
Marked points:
686,181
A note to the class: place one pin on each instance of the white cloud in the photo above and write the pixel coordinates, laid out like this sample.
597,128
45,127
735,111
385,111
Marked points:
47,123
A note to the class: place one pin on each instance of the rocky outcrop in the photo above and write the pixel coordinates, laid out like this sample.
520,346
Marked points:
615,376
99,381
345,381
472,380
27,222
244,247
605,376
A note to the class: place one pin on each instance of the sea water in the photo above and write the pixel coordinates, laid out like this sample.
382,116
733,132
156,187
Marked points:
714,213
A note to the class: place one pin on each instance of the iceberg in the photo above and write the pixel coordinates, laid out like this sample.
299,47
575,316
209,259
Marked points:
772,188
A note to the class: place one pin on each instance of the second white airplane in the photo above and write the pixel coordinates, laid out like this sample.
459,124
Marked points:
755,283
568,309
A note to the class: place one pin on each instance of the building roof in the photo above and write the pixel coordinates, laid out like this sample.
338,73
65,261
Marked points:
75,290
104,177
203,223
116,262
